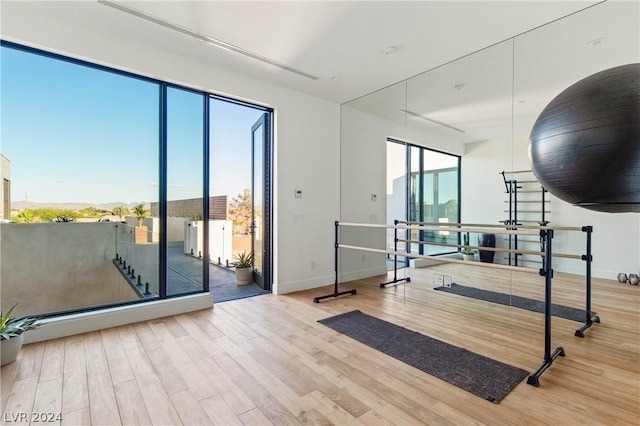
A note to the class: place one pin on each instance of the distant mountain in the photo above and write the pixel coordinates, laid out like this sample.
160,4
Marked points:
20,205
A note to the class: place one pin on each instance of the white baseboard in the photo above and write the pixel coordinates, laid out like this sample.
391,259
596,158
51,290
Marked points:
363,273
424,263
84,322
607,275
290,287
576,268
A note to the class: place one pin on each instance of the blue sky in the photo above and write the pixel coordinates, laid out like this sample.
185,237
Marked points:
75,134
396,169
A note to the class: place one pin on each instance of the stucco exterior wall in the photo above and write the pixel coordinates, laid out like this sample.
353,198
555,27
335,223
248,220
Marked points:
49,267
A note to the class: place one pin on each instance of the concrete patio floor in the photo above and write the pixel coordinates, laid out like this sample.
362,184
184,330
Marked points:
184,274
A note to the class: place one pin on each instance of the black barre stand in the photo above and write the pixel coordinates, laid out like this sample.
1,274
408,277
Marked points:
395,280
335,293
591,318
547,272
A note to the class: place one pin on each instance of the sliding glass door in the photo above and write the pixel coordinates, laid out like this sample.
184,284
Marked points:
240,191
259,202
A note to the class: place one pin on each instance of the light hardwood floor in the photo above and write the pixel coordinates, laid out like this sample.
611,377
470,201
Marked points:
265,360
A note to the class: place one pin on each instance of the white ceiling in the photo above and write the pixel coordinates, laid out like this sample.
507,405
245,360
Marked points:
345,39
498,92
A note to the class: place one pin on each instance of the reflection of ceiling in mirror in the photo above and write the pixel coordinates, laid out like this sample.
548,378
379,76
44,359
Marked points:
472,94
477,93
385,103
552,58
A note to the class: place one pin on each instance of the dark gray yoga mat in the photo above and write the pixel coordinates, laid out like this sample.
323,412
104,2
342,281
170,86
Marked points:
559,311
482,376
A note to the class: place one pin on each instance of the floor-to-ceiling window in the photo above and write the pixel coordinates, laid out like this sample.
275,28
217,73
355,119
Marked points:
423,185
440,185
185,227
109,171
83,148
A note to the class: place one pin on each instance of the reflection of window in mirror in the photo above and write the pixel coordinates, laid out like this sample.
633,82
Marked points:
430,195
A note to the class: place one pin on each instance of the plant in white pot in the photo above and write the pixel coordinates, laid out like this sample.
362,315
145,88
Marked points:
244,268
11,334
467,252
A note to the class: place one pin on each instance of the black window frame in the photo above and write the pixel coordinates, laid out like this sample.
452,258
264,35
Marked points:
162,172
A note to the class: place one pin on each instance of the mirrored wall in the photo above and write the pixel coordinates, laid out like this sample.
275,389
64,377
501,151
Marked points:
482,107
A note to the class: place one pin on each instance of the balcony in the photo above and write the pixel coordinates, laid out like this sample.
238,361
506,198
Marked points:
60,267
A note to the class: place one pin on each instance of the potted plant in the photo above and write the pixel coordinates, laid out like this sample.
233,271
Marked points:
467,252
244,268
11,337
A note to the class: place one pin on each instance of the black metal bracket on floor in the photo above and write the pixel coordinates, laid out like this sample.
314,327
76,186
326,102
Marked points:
588,323
335,293
547,272
395,280
129,274
534,379
590,316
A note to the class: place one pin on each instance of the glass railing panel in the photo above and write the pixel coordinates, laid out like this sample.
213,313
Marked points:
137,255
58,267
185,255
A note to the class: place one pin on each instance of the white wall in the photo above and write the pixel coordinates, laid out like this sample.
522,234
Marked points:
307,132
363,155
482,188
363,163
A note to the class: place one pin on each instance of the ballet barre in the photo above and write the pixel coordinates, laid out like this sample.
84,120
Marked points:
590,316
546,235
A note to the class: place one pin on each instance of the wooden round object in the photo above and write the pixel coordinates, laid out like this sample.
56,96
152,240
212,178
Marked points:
585,145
